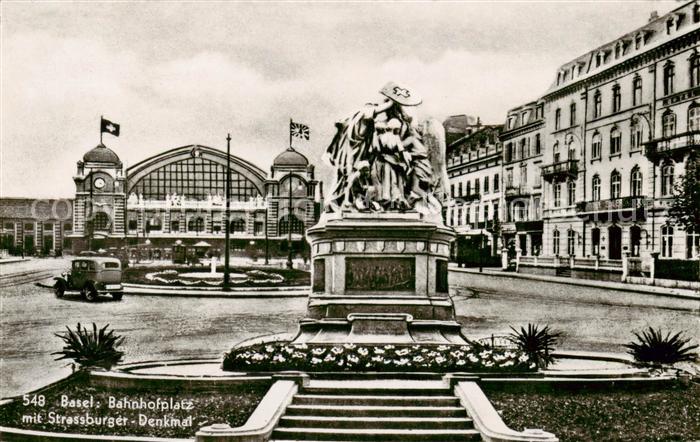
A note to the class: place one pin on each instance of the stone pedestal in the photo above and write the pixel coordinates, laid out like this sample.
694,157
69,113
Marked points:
379,278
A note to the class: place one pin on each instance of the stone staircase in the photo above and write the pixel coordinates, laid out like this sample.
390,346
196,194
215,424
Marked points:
375,410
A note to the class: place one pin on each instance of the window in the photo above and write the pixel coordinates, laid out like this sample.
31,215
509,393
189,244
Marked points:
618,49
538,178
667,180
495,210
296,225
571,192
469,215
571,242
509,178
571,149
477,187
452,190
636,182
195,224
68,226
636,135
557,194
695,71
538,144
539,111
459,216
555,151
638,41
615,184
519,211
555,242
615,141
154,224
523,174
667,241
572,114
637,91
48,226
536,208
692,244
486,212
174,226
596,146
459,190
101,222
669,73
469,188
486,184
694,118
30,226
595,186
595,241
616,98
597,105
496,183
557,119
668,122
237,225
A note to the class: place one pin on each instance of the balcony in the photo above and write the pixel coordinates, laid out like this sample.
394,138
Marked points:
518,191
613,208
467,198
675,146
560,171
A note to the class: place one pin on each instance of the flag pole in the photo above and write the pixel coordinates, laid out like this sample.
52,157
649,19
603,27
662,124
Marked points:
291,122
101,118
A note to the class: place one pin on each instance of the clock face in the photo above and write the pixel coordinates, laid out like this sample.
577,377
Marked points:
99,183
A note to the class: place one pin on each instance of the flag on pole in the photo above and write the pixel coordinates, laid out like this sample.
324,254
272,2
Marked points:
299,130
107,126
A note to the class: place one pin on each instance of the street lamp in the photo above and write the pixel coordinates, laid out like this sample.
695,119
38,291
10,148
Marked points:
226,285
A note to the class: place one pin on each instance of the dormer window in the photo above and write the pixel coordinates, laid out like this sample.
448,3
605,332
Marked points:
618,50
598,59
638,41
669,25
696,13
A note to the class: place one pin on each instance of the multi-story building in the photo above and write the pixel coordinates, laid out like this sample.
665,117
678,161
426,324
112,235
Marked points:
34,226
474,170
523,148
620,122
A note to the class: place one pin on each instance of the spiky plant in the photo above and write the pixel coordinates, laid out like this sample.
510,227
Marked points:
654,348
537,342
91,348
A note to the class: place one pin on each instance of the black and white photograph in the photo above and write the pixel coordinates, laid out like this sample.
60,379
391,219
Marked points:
247,221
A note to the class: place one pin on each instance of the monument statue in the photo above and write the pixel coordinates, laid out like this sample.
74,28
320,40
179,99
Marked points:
381,160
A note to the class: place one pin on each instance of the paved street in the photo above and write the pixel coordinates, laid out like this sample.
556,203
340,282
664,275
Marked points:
165,328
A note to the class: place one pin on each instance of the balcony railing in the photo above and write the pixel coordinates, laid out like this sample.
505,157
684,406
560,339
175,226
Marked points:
613,205
676,144
561,169
517,191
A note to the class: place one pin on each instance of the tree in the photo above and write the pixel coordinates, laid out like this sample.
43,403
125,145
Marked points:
685,207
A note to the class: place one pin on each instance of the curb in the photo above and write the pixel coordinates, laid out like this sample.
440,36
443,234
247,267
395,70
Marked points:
635,288
298,292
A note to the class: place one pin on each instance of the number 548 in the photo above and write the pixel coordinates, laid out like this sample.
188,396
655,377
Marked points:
33,399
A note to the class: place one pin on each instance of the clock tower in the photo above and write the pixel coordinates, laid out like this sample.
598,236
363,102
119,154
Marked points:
100,200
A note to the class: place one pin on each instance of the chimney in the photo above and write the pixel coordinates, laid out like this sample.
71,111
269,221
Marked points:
654,15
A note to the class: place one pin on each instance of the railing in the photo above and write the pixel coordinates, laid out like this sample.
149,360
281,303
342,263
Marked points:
611,263
253,204
673,143
585,262
562,168
515,191
628,202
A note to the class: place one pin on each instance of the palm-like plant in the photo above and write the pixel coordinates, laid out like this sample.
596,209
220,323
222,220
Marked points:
537,342
91,348
653,347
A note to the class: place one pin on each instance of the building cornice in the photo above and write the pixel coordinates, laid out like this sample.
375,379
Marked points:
507,135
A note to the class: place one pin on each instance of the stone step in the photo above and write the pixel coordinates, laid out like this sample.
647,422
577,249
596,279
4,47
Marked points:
374,411
331,399
364,422
388,391
339,434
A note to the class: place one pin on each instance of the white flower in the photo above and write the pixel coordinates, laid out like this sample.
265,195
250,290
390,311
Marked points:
401,362
402,352
315,361
354,359
318,351
488,364
442,348
349,346
269,349
258,357
288,350
389,347
298,355
418,359
337,350
461,362
524,358
533,365
329,358
379,351
507,364
362,351
301,346
472,358
278,358
457,354
377,359
440,360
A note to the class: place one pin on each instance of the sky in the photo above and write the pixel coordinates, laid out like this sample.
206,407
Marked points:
179,73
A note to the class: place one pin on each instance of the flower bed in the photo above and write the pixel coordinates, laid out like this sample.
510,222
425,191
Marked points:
255,276
279,356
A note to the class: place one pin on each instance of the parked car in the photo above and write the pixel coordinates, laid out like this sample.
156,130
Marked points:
92,277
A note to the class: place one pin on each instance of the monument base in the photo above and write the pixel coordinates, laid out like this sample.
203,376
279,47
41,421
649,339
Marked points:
380,278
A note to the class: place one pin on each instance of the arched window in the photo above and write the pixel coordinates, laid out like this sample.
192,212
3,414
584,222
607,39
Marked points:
101,222
637,91
636,182
571,192
616,98
695,70
195,224
596,146
615,141
668,122
595,241
557,119
694,117
297,226
669,73
571,242
597,104
667,180
154,224
595,186
572,114
615,184
571,149
555,242
667,241
237,225
557,194
636,135
555,151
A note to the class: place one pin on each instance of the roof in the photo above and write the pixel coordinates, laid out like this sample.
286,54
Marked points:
36,208
290,157
101,154
98,259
